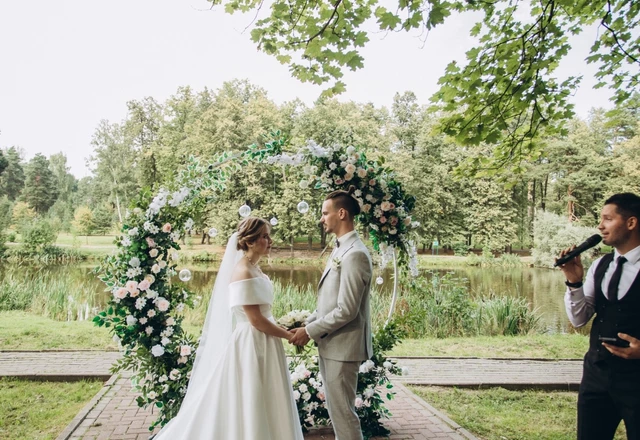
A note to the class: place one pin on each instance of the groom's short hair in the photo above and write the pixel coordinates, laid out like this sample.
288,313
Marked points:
344,200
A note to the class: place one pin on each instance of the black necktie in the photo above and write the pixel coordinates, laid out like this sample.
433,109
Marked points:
612,290
337,243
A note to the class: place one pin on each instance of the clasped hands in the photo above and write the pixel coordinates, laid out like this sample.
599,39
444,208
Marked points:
299,337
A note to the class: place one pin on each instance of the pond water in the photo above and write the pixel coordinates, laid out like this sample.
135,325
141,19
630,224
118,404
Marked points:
542,288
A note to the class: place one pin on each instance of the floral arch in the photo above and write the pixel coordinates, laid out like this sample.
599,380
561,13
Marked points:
145,311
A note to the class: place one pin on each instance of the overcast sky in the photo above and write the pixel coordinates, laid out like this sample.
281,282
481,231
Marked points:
67,64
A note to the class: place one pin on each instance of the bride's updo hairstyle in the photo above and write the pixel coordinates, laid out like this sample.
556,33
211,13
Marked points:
249,230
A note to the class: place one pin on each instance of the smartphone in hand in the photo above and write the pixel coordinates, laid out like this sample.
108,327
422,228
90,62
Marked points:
614,341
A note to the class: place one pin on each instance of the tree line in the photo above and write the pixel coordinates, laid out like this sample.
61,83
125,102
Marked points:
459,202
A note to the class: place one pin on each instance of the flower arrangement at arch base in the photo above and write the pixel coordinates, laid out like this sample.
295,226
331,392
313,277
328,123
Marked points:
374,386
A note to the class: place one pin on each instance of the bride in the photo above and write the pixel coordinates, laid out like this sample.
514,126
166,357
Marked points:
240,387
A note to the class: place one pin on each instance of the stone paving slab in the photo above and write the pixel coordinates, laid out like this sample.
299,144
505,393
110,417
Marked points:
114,415
483,373
57,365
461,372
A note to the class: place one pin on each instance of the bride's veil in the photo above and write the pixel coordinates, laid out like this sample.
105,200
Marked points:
218,324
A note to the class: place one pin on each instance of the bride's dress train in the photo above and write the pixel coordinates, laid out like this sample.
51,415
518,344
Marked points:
248,394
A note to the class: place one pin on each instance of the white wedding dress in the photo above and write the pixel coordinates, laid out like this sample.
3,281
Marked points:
248,394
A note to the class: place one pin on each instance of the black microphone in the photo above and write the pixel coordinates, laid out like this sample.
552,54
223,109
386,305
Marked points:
588,244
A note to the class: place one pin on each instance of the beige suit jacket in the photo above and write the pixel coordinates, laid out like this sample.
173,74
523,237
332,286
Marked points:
341,324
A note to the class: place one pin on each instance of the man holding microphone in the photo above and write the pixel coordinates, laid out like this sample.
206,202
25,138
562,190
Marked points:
610,387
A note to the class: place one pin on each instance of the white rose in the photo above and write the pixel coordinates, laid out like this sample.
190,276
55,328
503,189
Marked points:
155,268
153,253
303,388
152,294
367,366
387,365
165,341
131,320
152,395
157,350
306,396
162,264
185,350
296,395
133,232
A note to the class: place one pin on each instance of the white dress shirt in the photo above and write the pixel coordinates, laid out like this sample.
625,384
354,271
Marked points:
580,303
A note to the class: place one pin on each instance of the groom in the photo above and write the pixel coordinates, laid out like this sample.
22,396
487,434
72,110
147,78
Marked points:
341,324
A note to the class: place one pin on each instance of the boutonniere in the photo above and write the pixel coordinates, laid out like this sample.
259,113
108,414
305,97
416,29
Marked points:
335,263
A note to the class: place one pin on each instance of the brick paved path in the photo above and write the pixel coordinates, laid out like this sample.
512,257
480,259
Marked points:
113,414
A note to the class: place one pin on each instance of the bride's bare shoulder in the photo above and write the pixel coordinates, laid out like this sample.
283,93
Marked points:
242,271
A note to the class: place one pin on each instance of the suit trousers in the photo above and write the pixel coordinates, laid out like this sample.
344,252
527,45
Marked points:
606,397
340,386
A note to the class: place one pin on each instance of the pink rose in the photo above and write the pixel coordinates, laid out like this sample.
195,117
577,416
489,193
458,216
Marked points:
185,350
166,227
320,395
362,173
372,182
358,402
144,285
150,242
407,221
162,304
339,181
383,219
348,176
134,293
121,293
393,220
131,285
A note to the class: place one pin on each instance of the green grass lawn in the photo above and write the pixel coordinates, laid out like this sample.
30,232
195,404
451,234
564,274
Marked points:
40,410
499,414
557,346
27,331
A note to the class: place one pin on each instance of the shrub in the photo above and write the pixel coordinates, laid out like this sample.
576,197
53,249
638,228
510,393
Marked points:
553,233
460,248
22,216
38,235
